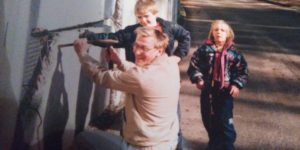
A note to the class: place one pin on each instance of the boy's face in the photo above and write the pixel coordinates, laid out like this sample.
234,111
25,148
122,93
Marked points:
220,33
144,50
147,19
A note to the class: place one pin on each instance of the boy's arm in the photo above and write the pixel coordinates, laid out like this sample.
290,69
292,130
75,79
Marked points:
183,38
123,36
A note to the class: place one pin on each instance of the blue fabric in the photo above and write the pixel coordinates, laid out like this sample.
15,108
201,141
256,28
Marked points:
126,38
218,125
98,140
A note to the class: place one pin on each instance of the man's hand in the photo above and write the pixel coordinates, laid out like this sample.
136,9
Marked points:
84,34
112,55
200,84
234,91
176,58
81,46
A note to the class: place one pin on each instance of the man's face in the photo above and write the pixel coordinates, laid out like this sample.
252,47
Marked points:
147,20
144,50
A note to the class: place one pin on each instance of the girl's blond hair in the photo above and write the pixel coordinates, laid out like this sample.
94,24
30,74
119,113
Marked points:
144,6
229,31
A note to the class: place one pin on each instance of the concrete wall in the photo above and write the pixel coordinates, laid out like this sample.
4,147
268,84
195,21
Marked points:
13,31
45,100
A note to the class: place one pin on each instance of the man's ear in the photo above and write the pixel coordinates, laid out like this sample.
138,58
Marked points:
161,51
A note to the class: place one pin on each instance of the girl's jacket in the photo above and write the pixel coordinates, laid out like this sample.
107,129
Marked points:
202,62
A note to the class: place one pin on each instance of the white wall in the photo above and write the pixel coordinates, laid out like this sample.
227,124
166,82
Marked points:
13,31
16,30
57,13
54,16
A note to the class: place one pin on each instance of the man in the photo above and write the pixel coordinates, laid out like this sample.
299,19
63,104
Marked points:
146,12
150,90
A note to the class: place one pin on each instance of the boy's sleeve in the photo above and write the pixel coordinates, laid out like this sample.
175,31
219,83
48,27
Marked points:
242,72
184,40
194,70
123,37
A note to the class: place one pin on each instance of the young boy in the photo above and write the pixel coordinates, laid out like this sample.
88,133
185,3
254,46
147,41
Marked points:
146,12
220,72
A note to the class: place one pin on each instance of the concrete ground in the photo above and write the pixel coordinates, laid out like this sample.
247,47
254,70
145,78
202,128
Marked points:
267,112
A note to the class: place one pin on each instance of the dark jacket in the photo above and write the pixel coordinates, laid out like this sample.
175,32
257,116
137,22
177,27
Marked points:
202,61
126,38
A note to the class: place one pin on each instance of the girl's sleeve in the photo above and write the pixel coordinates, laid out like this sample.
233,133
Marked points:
242,72
194,69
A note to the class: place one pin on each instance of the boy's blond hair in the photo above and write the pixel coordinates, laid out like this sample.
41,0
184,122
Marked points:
144,6
229,31
162,39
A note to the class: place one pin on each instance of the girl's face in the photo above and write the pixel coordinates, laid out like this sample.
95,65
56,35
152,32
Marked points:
220,33
147,20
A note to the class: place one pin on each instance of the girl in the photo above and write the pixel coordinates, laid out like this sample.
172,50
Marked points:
220,72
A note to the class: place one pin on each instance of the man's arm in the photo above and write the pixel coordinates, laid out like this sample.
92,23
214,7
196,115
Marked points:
113,55
123,81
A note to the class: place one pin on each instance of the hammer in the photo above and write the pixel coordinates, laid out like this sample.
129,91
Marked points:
102,42
99,42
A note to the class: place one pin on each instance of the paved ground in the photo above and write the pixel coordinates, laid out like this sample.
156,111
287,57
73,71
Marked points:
267,113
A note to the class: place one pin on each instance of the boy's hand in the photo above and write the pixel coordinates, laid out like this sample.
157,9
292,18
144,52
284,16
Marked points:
234,91
200,84
112,54
81,47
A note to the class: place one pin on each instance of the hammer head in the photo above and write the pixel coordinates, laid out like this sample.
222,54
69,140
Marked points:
104,42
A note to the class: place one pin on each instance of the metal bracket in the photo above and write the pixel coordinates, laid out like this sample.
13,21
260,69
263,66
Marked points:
37,32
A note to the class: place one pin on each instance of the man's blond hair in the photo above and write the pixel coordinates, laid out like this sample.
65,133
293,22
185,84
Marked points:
144,6
162,39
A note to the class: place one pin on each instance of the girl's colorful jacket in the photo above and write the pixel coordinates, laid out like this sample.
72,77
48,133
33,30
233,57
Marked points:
202,62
